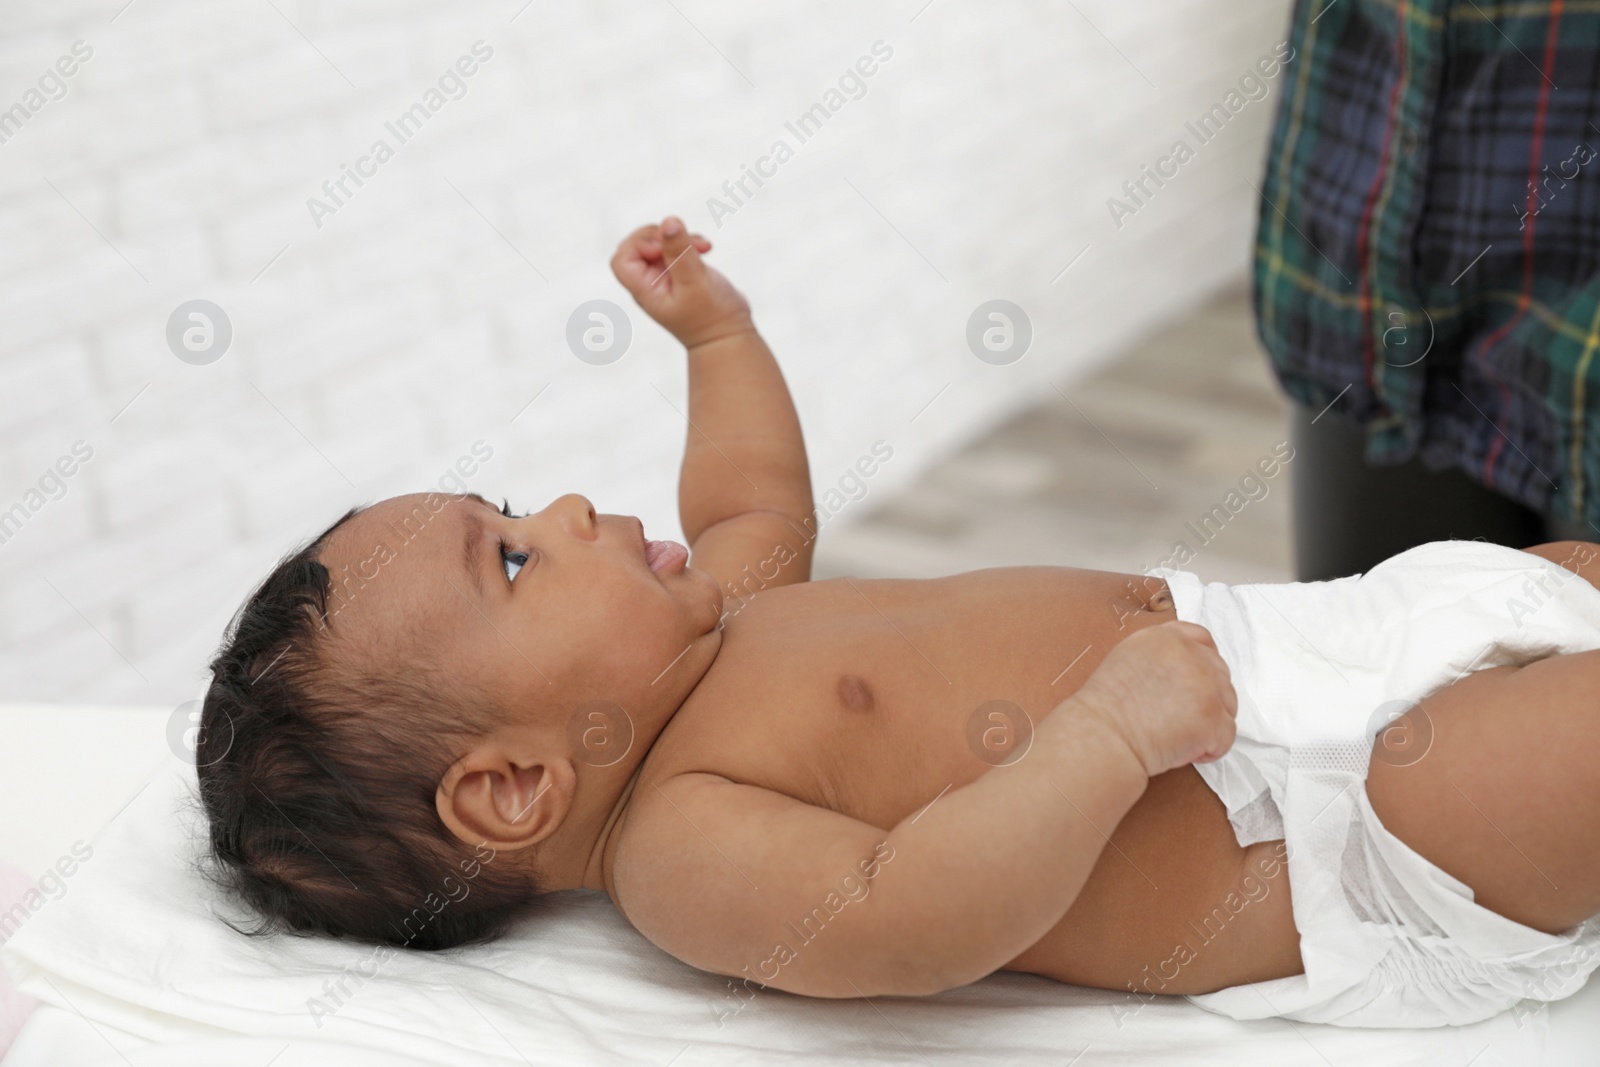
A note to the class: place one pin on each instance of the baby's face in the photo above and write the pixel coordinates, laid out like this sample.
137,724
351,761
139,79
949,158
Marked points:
538,613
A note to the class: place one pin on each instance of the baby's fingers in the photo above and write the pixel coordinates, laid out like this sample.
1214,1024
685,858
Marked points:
640,242
641,258
636,262
1193,631
1230,695
1222,678
682,249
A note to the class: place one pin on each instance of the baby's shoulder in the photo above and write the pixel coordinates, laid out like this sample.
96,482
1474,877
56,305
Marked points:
680,833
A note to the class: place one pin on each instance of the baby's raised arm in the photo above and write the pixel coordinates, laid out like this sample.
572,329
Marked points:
747,882
745,487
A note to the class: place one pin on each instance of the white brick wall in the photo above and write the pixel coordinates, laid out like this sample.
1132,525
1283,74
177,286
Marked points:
405,328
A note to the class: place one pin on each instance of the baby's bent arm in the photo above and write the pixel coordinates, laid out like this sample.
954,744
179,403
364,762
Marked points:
744,493
746,882
744,474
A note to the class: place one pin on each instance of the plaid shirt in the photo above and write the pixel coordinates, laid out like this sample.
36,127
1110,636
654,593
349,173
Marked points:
1428,246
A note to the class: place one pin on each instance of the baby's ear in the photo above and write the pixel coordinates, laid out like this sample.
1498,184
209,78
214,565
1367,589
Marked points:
503,799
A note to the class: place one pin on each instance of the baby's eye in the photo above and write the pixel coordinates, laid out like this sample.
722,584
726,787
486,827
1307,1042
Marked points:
513,562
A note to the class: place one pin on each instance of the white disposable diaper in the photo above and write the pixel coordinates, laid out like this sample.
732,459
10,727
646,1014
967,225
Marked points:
1387,937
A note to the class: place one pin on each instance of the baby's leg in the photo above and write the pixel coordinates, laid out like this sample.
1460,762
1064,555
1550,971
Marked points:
1507,796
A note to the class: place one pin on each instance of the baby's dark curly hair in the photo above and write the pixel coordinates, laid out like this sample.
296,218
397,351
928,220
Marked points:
318,778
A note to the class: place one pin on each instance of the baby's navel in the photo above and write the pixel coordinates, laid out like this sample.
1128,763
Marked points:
855,694
1162,601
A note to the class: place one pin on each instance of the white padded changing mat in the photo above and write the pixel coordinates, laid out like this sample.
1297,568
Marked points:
134,968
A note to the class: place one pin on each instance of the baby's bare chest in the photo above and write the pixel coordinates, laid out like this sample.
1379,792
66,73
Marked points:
872,697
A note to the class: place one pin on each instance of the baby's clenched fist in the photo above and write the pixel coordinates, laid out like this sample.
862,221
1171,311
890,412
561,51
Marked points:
1167,693
661,267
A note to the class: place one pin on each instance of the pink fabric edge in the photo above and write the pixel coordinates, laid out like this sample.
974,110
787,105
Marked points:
14,1007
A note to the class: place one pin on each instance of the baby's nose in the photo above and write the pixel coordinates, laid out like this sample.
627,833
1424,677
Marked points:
576,510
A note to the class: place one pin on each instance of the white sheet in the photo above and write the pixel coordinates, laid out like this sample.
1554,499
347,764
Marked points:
134,947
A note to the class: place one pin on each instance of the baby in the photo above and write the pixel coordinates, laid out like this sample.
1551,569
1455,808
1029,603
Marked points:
438,711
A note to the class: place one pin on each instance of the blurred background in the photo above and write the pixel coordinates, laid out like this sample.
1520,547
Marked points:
383,332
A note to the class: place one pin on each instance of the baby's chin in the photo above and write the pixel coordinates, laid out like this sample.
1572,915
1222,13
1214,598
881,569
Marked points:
717,598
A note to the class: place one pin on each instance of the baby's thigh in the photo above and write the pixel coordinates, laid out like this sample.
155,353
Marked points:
1580,557
1501,787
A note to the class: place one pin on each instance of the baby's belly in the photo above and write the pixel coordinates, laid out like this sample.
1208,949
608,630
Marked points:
1174,904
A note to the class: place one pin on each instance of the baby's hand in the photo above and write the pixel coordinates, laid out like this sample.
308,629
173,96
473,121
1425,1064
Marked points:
1167,692
662,268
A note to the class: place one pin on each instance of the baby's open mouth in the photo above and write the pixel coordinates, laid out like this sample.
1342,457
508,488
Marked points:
664,555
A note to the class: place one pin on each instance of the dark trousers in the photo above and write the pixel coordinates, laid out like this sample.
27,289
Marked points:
1349,516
